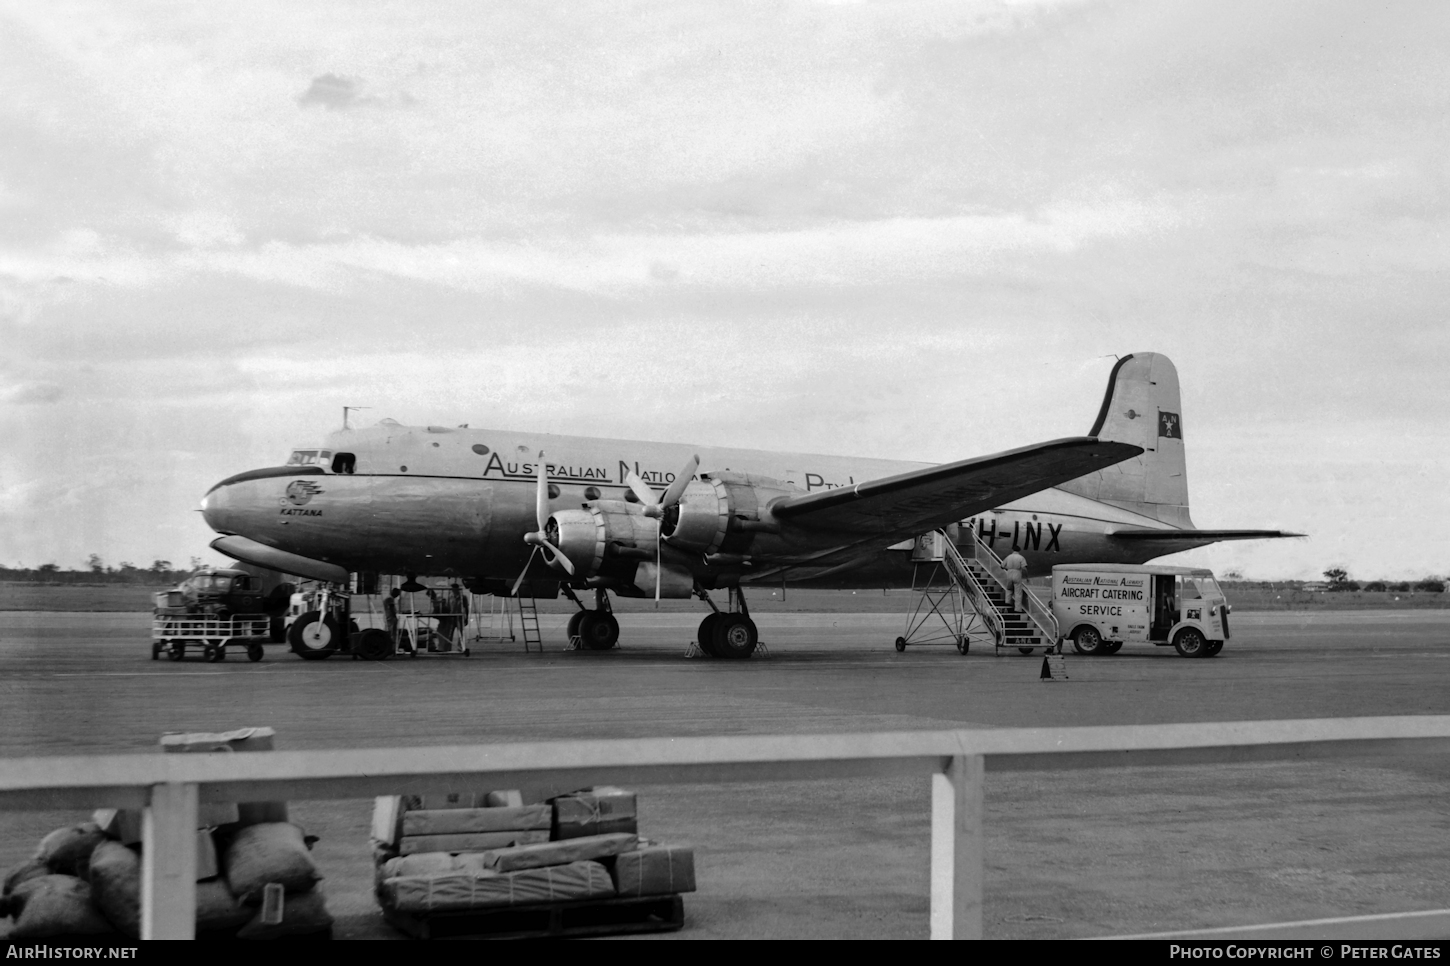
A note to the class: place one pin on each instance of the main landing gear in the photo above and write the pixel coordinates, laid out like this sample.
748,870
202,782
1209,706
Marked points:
729,634
596,630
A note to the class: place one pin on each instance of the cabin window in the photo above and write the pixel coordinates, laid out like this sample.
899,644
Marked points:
591,493
344,463
630,497
553,492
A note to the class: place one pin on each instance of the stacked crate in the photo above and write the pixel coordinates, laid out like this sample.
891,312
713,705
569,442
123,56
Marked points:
491,865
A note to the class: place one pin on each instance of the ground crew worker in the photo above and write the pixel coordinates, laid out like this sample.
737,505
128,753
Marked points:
1016,567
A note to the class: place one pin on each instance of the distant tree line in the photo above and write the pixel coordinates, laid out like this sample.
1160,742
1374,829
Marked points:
1338,579
97,572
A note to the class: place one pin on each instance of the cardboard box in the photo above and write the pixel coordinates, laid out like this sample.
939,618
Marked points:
207,866
448,891
559,853
243,739
470,842
595,811
387,819
658,871
454,821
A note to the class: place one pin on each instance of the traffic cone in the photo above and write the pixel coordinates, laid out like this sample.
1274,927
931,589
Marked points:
1046,674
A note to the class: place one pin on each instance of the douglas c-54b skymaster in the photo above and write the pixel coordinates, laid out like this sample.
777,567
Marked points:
502,509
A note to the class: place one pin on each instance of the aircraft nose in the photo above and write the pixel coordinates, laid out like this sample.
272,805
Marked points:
216,508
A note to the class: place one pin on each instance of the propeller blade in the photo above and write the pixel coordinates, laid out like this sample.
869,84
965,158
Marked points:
659,565
641,489
682,480
553,553
541,495
527,564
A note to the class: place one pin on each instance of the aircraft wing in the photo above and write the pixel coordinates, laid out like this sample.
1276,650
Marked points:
922,500
1149,535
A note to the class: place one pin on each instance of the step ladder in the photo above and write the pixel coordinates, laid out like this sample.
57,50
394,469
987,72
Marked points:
529,623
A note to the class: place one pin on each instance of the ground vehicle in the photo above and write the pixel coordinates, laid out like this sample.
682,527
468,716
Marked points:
1099,607
213,608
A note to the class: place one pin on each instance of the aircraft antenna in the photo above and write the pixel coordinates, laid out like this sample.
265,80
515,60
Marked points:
347,409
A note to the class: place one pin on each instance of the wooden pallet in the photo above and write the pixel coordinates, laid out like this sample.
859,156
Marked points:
603,917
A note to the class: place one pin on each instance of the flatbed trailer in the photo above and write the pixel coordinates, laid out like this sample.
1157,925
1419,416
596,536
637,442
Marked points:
174,634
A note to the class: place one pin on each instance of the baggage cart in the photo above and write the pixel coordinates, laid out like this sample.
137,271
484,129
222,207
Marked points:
174,634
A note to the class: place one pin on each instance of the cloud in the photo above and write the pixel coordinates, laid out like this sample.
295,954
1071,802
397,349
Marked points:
33,394
330,91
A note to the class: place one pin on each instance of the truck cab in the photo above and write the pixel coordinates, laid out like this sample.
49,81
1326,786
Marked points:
1101,607
213,591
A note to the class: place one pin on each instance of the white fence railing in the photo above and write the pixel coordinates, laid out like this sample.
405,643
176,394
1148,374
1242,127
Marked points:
170,787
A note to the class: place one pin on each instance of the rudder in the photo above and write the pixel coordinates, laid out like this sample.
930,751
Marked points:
1142,406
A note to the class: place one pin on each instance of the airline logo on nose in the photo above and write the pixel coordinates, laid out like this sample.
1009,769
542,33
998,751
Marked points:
300,491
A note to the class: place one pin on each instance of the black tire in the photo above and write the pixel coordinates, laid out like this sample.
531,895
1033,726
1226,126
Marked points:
216,653
373,644
254,652
176,651
1112,647
735,637
599,630
963,645
277,630
1024,650
1087,640
706,634
572,630
156,651
1190,642
310,644
900,644
1213,648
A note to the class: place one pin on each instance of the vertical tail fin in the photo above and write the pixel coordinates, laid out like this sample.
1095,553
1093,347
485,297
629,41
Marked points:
1142,406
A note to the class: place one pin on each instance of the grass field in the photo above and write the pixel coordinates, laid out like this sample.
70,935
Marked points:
119,598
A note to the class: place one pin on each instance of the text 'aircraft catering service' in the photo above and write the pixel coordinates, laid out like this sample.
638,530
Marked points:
544,514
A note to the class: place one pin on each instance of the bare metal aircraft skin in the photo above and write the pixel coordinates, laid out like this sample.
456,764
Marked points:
645,519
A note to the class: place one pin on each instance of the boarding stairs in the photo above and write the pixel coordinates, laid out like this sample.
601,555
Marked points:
981,570
972,604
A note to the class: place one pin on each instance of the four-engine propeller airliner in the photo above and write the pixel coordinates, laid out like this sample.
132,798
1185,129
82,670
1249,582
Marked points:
499,509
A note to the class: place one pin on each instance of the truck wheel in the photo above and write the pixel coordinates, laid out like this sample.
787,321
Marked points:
1112,647
254,652
1213,648
1189,642
155,651
176,651
373,645
1087,640
313,639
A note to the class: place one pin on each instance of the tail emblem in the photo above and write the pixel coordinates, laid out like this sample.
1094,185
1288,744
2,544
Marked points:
1168,426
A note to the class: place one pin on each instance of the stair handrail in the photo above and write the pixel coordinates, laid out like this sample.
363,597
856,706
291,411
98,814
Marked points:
975,592
1038,612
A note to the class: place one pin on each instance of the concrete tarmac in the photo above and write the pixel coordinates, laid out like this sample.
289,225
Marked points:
1113,851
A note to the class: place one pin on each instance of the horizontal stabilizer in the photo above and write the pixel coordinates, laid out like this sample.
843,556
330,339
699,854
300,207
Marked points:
1153,534
252,552
921,500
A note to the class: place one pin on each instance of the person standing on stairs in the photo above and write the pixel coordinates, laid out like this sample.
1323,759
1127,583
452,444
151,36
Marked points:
1016,567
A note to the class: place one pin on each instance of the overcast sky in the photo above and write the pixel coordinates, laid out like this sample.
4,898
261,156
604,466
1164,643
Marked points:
832,227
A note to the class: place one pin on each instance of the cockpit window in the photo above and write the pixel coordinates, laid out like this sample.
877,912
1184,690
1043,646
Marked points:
344,463
310,457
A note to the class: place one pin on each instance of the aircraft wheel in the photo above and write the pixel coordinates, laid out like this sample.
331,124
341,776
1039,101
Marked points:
1087,640
735,636
254,652
1112,647
599,630
900,644
706,634
313,639
572,630
1189,642
177,650
373,644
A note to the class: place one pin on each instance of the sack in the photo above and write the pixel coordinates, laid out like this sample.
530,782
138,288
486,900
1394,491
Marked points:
29,869
217,909
55,905
302,915
271,852
116,886
67,851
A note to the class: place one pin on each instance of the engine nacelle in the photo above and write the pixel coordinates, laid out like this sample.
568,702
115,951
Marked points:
601,532
722,512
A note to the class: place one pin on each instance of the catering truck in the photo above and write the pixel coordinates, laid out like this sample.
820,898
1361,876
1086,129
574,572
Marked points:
1101,607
